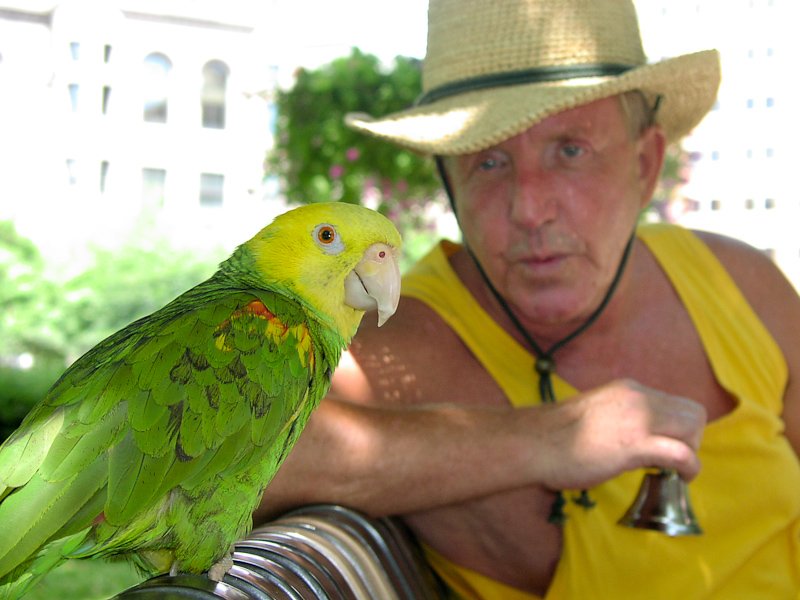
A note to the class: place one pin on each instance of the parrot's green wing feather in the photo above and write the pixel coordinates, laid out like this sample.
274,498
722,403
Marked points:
190,396
32,518
232,382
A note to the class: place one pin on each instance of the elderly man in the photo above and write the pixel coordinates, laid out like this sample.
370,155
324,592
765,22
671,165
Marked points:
560,349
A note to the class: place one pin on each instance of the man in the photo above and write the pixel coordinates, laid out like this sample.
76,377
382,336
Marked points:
678,348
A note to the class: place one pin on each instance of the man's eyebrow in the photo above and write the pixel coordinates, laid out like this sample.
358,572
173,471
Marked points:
573,129
462,161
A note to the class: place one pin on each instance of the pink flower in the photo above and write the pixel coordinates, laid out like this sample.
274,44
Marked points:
336,171
352,154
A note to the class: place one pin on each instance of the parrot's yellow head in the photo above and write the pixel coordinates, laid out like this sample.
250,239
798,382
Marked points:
339,259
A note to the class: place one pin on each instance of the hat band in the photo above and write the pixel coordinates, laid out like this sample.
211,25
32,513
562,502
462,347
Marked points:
537,75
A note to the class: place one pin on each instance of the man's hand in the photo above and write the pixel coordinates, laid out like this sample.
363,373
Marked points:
621,426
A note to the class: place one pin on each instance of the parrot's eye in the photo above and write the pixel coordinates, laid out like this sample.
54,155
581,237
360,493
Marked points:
328,239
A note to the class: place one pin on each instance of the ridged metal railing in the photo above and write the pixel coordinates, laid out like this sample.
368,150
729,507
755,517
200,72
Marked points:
326,552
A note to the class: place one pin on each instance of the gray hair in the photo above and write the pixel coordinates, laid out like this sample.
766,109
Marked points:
639,112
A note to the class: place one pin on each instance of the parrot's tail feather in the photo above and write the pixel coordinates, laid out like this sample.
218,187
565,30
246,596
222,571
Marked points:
13,590
19,581
38,513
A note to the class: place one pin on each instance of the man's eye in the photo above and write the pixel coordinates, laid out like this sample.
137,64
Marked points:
489,164
495,160
571,151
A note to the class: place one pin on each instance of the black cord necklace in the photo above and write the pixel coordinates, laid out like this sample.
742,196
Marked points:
545,363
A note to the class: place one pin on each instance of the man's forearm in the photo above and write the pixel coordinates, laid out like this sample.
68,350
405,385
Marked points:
398,460
405,459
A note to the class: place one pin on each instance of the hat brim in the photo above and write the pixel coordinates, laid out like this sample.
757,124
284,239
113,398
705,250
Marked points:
476,120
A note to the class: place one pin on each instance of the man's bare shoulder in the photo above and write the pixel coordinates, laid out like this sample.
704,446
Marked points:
763,284
776,303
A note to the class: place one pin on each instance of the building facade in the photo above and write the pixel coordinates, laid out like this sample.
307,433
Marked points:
743,183
116,112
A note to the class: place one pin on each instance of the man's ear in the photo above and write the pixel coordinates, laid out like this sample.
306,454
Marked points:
651,147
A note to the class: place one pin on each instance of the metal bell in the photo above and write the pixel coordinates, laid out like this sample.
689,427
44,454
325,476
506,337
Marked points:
663,505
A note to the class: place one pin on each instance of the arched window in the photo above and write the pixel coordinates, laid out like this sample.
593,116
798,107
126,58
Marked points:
212,96
156,76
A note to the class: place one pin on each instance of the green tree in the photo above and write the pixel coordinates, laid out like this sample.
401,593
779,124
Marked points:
24,290
123,285
318,159
678,164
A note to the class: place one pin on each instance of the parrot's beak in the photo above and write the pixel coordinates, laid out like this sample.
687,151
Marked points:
375,282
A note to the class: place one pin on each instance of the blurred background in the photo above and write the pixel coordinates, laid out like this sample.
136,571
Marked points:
142,140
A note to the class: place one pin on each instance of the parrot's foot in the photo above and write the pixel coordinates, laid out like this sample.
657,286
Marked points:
220,568
175,568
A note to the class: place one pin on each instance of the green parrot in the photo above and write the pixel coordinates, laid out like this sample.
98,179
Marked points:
157,444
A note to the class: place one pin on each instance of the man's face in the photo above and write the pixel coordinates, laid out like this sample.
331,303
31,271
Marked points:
548,213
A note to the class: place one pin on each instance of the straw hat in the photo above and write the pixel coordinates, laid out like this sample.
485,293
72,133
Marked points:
495,67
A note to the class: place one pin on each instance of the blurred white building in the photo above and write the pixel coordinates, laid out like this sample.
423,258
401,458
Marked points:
112,112
744,182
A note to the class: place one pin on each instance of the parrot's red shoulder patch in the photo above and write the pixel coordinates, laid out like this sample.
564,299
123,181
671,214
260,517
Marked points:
256,307
252,308
276,330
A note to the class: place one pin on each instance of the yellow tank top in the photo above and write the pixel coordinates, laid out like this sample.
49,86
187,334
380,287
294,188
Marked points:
747,497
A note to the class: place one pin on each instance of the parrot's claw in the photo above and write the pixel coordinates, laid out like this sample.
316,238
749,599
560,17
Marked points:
175,568
220,568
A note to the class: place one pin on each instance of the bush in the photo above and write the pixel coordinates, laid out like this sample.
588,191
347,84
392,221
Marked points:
21,389
318,159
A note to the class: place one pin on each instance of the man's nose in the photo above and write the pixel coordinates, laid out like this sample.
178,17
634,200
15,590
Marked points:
534,202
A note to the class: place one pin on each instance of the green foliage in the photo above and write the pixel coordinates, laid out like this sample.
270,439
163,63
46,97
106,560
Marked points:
24,289
86,580
678,164
122,286
319,159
